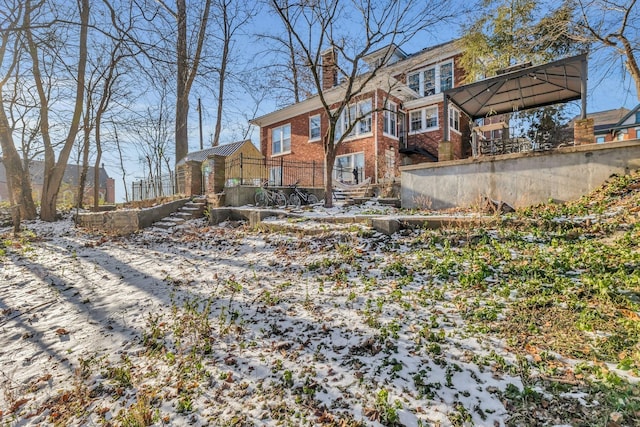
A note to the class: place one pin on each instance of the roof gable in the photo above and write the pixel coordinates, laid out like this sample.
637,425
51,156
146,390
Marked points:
631,118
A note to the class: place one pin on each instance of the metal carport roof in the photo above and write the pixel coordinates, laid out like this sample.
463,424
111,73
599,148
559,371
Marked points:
559,81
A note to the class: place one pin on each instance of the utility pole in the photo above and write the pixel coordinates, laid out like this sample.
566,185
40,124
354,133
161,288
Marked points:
200,122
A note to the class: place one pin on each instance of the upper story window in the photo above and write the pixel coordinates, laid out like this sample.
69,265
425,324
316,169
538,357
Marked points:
390,122
600,139
637,116
423,120
432,80
281,139
314,127
360,113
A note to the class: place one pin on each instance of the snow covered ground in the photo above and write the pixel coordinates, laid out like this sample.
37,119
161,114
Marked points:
227,325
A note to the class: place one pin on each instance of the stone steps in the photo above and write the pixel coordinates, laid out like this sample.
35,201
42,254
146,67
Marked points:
191,210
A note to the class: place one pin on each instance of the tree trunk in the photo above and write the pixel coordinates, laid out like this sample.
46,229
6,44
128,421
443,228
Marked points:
54,172
221,80
182,92
17,178
85,162
329,160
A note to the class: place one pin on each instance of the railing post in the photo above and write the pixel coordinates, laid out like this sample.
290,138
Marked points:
313,174
241,169
281,170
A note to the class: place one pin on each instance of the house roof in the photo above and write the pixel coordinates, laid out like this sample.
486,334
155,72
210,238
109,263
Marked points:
71,174
385,79
224,150
521,89
608,120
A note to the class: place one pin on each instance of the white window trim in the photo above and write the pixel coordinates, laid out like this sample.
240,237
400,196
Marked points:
281,153
451,128
319,137
353,156
391,109
423,120
438,81
356,133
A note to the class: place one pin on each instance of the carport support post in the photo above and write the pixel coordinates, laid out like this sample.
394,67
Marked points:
445,149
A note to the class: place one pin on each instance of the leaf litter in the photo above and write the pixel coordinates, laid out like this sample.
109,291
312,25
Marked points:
533,321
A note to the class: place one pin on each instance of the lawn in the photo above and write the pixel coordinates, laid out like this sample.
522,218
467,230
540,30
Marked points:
534,321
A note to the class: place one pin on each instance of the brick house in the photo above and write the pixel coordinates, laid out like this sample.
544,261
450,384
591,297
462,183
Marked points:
69,186
401,114
616,125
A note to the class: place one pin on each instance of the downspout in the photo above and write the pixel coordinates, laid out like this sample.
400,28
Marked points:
375,136
583,89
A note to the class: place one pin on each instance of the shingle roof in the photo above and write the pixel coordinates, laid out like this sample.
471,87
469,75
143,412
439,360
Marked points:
224,150
71,174
609,117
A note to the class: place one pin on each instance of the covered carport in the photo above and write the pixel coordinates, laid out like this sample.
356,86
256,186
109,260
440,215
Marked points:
521,88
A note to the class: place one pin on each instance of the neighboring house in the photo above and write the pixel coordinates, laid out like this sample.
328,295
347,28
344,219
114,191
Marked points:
616,125
205,169
69,186
403,113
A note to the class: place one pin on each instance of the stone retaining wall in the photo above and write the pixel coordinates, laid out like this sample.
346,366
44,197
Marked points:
127,221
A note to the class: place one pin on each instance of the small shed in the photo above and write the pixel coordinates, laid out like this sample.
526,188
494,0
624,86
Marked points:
204,171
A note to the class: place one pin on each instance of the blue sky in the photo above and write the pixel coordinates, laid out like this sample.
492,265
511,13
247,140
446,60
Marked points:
609,86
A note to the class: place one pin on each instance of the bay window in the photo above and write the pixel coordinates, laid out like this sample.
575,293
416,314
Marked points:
360,114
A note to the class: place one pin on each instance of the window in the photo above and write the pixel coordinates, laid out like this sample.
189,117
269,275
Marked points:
599,139
314,127
429,78
390,126
415,118
423,120
349,168
432,80
637,116
414,82
365,113
360,112
275,176
454,119
281,140
446,76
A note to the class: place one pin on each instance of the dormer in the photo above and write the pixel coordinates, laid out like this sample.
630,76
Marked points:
384,56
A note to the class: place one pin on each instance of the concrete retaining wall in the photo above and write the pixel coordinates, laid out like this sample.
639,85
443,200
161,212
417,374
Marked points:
521,179
127,221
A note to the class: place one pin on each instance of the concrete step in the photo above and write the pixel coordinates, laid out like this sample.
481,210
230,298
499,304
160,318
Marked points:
183,215
166,225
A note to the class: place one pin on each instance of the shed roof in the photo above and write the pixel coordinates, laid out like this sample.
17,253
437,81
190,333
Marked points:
224,150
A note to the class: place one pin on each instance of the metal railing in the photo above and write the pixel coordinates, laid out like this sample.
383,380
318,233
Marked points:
163,186
245,170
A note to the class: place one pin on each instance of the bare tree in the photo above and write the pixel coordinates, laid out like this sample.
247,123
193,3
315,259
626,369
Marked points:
230,16
613,25
152,137
10,48
54,170
187,61
365,26
288,74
